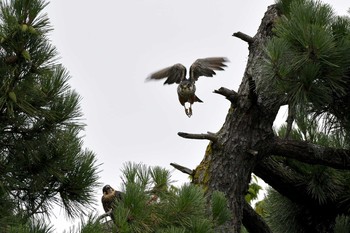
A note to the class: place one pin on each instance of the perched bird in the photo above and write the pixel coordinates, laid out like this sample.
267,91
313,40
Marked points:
109,198
186,88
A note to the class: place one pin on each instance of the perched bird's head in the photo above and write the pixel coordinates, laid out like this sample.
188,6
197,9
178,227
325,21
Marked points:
107,189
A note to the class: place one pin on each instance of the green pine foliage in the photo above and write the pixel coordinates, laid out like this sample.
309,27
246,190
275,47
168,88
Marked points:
151,204
281,214
34,226
42,159
307,60
342,224
91,225
323,184
253,190
219,209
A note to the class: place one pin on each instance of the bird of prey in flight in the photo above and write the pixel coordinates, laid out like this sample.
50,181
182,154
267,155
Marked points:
186,89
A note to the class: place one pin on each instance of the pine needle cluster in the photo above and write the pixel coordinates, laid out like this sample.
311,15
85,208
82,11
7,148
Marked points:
307,60
324,185
152,204
42,160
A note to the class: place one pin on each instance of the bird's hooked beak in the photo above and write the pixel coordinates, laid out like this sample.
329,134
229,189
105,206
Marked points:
187,85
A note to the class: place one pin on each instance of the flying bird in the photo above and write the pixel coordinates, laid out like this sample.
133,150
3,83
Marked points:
186,89
109,199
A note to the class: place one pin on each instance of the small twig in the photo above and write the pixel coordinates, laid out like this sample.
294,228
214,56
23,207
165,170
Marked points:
182,169
231,95
244,37
209,136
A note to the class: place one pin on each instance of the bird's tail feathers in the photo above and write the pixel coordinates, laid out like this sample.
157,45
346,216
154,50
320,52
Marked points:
197,99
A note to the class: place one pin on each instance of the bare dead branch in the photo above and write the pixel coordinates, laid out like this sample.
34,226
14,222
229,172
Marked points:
183,169
231,95
244,37
209,136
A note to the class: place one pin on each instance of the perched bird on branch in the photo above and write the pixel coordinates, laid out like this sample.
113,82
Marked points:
186,88
109,198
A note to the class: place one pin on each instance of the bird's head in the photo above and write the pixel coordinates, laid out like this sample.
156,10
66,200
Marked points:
107,189
186,85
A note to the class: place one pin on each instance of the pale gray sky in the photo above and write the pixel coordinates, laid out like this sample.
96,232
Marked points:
110,47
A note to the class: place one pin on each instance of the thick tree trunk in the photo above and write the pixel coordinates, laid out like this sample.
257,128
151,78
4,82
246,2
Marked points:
246,143
245,136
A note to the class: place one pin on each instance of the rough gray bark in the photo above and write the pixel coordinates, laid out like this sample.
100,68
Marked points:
244,138
246,144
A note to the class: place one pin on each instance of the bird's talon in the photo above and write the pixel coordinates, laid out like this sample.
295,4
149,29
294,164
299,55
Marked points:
188,111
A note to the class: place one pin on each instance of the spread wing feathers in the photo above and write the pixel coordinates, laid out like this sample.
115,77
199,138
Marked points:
174,74
206,67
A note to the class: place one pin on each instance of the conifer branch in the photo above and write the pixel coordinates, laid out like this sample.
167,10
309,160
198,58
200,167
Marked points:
252,221
312,154
244,37
104,215
183,169
291,184
208,136
284,180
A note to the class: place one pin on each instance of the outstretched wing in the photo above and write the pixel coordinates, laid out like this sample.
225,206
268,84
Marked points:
206,67
174,74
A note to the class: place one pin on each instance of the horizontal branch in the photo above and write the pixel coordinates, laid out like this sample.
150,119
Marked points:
183,169
208,136
312,154
231,95
244,37
294,185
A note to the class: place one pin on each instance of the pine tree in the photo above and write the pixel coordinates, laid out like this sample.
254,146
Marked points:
299,57
42,159
324,184
151,203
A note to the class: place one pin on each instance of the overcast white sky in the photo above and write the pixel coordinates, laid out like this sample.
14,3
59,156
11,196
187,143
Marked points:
111,46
